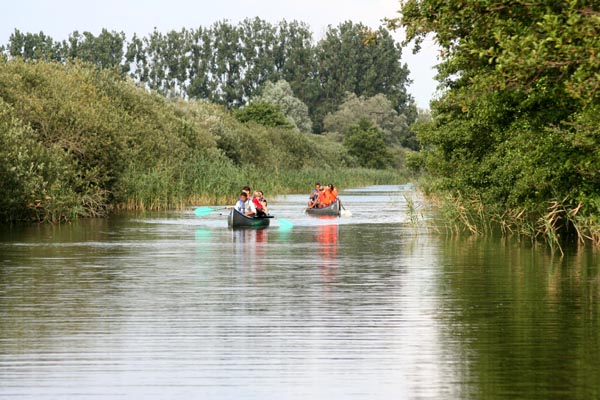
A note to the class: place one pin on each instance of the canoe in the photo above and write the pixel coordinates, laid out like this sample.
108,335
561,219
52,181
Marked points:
332,209
237,220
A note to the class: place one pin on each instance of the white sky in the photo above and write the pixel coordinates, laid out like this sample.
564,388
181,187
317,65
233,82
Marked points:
59,18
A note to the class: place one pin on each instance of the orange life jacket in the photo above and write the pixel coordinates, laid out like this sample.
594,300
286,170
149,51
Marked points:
329,196
322,198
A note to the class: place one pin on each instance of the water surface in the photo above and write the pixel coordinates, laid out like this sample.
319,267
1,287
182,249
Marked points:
169,305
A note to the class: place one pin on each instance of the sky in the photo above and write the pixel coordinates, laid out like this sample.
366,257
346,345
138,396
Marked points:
59,18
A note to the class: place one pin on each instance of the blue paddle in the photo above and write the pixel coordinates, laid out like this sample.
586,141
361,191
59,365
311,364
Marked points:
202,211
284,223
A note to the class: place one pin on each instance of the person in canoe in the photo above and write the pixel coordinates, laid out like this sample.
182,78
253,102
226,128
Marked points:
334,191
242,204
256,208
322,201
248,197
328,197
263,202
313,199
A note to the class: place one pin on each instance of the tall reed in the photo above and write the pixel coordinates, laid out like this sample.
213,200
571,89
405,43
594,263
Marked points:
559,222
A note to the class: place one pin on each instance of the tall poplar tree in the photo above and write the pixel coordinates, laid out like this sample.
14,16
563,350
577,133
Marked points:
349,61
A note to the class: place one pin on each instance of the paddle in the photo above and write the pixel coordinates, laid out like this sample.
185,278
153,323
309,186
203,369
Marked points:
202,211
345,213
284,223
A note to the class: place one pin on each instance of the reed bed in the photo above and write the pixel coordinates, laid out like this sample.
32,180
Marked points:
224,189
558,224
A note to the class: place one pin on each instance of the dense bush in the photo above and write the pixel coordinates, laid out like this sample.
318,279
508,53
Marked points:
367,143
377,109
36,181
264,113
280,93
76,140
516,131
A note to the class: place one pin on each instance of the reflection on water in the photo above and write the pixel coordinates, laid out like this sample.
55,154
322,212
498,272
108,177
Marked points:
249,248
174,306
534,335
327,243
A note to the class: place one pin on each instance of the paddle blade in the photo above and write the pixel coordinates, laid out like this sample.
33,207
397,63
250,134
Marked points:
284,223
202,211
346,213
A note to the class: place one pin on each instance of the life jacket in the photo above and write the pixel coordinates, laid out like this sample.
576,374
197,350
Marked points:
322,198
326,197
331,196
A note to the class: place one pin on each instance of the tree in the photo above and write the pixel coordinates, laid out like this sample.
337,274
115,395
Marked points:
295,60
518,120
258,42
34,46
162,61
367,144
200,85
105,50
264,113
280,94
377,109
350,63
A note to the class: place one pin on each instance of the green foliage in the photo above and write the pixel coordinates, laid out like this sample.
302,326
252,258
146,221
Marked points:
264,113
80,141
377,109
229,64
517,124
280,93
367,143
34,46
351,61
31,174
104,50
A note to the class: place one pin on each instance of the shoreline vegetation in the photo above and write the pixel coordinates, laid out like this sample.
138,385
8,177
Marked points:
99,123
78,141
557,226
95,124
513,143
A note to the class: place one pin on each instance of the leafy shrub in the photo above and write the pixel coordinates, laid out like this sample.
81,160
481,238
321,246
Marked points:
367,144
80,141
264,113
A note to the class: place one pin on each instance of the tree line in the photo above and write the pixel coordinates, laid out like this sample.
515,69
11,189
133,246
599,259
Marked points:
229,64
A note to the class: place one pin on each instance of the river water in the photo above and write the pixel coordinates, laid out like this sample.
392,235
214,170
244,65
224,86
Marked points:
367,306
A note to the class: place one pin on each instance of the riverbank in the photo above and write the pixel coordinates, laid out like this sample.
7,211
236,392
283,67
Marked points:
82,142
560,225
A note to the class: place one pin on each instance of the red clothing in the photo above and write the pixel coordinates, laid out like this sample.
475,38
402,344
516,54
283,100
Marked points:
257,204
